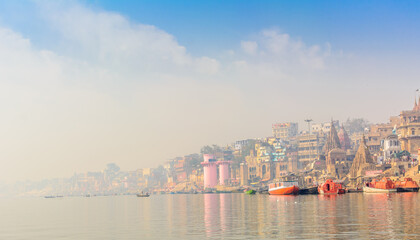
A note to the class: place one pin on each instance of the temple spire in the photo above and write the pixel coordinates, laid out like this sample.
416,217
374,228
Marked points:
416,104
333,140
345,141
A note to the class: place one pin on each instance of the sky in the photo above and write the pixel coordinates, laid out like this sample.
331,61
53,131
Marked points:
86,83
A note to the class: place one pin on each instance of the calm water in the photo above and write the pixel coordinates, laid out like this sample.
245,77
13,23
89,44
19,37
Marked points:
226,216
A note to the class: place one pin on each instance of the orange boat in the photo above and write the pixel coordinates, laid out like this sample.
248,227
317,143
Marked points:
408,185
283,188
330,187
385,185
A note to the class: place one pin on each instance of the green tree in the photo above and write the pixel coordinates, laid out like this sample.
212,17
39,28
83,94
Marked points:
210,149
356,125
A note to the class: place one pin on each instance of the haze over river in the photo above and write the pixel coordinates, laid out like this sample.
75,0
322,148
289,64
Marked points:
216,216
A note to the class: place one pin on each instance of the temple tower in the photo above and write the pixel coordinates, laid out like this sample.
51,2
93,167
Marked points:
363,161
332,140
344,139
210,170
223,172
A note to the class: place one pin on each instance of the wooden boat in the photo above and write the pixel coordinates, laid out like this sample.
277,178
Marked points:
283,188
308,190
355,190
385,185
378,190
222,191
143,195
330,188
250,192
408,185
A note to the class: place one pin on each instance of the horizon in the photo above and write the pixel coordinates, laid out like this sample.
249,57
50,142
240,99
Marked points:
140,82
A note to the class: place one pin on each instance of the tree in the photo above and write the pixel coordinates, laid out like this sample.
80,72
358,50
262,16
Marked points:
356,125
210,149
112,168
193,161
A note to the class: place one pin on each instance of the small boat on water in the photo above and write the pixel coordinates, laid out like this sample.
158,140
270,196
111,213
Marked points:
308,190
250,192
408,185
355,190
283,188
330,188
143,195
385,185
53,196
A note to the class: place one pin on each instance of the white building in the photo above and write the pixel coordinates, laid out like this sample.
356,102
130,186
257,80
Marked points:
240,144
391,146
324,127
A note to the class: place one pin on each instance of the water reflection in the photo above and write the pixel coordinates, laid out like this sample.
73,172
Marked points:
358,215
211,216
215,216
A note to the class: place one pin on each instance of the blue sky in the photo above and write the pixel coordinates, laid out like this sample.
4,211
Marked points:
85,83
208,27
379,27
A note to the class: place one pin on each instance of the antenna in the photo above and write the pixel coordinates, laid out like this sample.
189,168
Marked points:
309,124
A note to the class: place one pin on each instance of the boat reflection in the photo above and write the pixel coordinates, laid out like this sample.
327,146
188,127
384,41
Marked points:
356,215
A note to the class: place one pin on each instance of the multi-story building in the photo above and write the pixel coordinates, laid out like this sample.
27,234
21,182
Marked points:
309,147
285,130
324,127
376,136
391,147
409,130
241,143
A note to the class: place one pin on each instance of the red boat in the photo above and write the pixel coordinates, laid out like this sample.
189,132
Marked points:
408,185
385,185
330,187
283,188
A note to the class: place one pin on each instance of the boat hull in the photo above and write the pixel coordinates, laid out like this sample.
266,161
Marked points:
354,190
251,192
143,195
415,189
322,192
310,190
378,190
284,190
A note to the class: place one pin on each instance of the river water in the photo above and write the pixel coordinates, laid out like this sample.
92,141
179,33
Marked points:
213,216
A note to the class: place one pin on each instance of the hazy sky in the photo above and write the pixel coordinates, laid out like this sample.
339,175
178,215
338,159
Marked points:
85,83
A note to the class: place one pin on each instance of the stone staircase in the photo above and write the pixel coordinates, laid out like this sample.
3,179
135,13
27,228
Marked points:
413,173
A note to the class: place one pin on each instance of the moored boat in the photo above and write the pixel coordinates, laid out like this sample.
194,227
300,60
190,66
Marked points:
308,190
408,185
283,188
250,192
143,195
330,188
341,191
385,185
355,190
378,190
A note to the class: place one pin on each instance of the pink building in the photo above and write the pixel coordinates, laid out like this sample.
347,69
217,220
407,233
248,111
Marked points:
210,171
223,172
